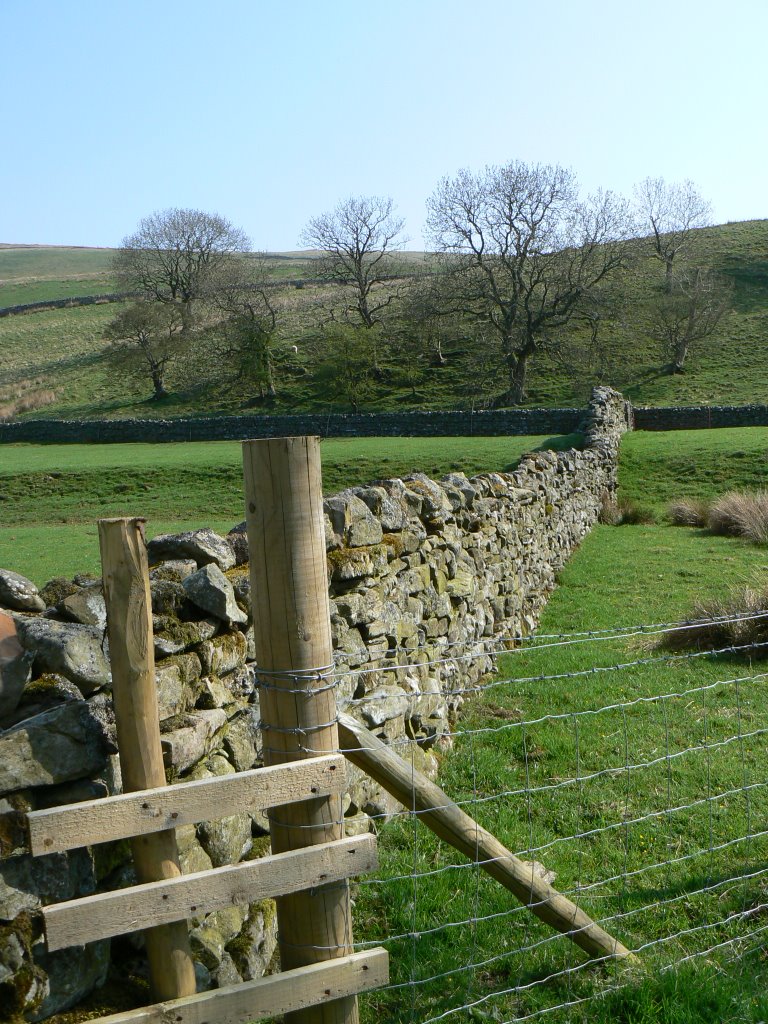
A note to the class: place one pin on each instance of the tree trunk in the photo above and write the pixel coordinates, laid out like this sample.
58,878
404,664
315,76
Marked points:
157,383
669,280
679,353
517,365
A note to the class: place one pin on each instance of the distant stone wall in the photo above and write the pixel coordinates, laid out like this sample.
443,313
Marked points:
238,428
699,417
451,423
423,576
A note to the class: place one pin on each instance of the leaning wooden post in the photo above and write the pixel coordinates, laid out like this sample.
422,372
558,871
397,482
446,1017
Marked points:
448,821
291,615
134,695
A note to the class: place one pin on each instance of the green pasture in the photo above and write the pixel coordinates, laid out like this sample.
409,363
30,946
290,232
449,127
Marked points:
658,467
52,495
648,839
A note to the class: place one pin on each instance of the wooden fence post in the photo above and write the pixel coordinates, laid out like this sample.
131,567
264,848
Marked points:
291,614
134,695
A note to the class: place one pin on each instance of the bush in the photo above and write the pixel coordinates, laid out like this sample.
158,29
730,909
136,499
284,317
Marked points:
689,512
741,514
740,608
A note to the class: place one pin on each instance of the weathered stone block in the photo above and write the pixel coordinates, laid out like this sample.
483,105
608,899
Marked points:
75,651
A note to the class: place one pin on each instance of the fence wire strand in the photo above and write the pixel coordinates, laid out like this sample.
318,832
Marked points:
658,829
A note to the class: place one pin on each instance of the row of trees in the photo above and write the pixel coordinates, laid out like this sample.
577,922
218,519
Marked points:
521,260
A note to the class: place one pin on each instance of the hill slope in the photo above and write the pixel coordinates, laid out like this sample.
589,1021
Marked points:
56,360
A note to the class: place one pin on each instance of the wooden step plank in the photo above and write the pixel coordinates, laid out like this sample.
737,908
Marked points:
268,997
56,829
175,899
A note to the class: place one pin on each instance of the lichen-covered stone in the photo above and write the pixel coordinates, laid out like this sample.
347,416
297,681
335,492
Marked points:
67,742
204,546
168,595
223,654
352,520
210,590
192,740
87,607
75,651
19,593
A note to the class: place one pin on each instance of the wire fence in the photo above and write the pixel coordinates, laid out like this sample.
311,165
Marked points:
636,786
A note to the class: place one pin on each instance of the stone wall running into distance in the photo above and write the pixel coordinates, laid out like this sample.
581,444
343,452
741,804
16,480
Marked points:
418,570
485,423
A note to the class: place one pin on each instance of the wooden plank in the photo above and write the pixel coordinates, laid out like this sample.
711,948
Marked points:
134,698
176,899
447,820
292,635
268,997
56,829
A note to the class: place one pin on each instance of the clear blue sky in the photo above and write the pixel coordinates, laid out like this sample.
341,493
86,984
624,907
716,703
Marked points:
270,112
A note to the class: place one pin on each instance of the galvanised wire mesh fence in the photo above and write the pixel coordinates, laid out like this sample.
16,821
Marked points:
637,786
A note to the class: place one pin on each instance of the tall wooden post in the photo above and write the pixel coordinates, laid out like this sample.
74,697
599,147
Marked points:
134,695
291,614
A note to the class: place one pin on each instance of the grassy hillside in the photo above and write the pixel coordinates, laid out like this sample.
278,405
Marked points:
61,356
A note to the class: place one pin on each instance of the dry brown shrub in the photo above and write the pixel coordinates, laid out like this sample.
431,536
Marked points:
689,512
744,624
741,514
28,402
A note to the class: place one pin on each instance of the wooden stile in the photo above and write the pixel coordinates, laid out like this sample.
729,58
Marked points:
148,813
134,696
105,914
291,613
56,829
268,997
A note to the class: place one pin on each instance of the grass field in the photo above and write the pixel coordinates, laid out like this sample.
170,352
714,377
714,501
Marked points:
635,846
64,351
696,747
52,495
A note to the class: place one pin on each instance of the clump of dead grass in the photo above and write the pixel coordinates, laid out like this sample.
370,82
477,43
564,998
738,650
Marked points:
624,512
689,512
741,514
738,620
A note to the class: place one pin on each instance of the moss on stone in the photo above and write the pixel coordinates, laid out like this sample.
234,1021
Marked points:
260,847
171,628
395,542
57,589
14,992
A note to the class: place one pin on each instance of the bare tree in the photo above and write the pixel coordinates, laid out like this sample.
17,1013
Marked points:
526,251
144,340
172,255
358,240
689,313
248,308
672,212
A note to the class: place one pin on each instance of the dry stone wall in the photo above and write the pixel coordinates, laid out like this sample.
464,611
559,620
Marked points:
421,574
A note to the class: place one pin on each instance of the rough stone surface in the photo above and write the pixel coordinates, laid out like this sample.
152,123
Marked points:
211,591
75,651
204,546
237,538
19,593
87,607
68,742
